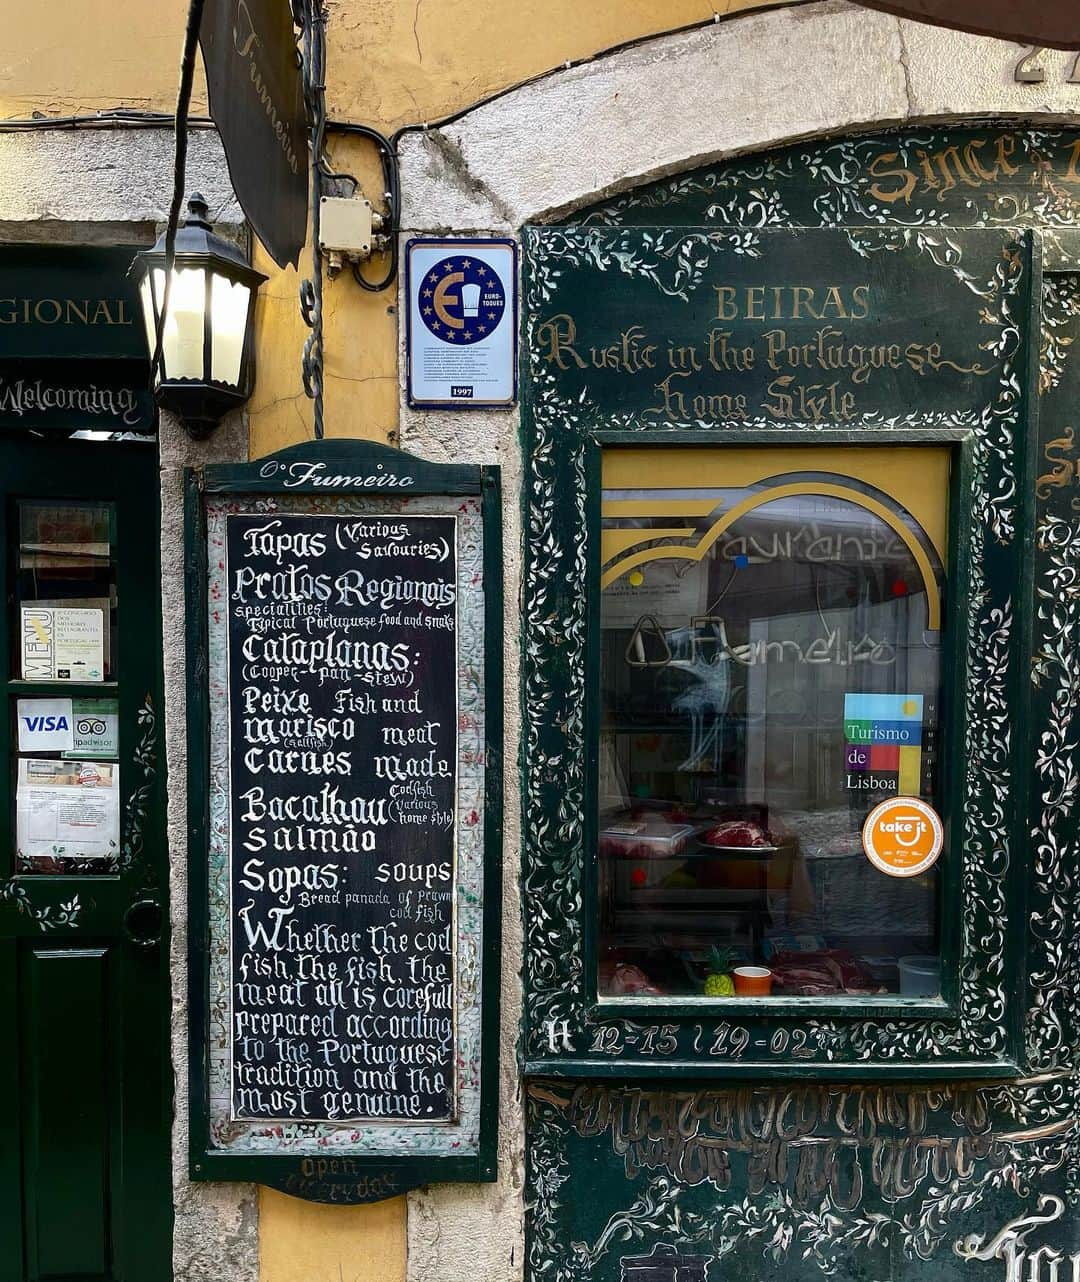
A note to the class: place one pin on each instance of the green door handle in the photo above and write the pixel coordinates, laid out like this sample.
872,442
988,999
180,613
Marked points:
142,923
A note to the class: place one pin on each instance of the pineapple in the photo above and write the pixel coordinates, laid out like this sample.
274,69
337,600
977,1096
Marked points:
718,982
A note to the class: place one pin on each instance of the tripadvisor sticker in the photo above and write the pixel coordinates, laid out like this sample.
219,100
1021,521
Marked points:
903,836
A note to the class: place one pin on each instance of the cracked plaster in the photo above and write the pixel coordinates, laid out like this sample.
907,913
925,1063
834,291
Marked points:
755,81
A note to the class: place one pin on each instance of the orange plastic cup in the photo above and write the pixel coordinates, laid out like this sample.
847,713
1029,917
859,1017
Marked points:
752,981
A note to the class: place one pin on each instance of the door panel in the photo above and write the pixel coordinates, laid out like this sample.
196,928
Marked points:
85,1089
66,1035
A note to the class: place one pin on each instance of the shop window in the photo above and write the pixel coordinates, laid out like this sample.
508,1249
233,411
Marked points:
771,668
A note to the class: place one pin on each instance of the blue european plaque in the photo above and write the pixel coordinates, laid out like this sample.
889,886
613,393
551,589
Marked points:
462,323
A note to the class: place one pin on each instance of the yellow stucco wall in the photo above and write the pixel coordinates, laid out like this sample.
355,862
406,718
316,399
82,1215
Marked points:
397,62
309,1242
390,63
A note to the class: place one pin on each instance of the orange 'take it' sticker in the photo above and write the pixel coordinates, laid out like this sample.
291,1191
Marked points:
903,836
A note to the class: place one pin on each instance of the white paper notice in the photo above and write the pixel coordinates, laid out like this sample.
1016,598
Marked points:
45,725
62,645
67,809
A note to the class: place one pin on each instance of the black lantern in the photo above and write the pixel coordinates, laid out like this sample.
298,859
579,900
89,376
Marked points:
207,356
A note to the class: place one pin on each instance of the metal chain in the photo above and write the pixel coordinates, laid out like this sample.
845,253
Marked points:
313,66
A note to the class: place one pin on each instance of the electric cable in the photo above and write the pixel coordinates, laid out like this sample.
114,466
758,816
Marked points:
391,194
183,102
313,65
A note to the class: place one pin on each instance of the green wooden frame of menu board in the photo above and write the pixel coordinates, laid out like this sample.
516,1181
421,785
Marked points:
656,338
344,1012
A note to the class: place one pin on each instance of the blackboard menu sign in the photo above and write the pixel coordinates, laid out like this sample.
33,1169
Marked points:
342,675
345,893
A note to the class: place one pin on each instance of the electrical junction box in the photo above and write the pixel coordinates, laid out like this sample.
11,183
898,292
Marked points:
346,225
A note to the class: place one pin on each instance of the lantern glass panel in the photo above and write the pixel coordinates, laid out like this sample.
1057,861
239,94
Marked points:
149,310
229,301
183,343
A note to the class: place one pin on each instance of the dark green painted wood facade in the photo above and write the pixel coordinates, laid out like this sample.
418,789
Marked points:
865,1140
86,1080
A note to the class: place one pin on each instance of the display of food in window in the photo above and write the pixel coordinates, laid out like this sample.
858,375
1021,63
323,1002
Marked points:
770,671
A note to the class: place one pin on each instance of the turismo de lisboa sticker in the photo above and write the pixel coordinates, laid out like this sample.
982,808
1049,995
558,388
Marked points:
461,322
903,836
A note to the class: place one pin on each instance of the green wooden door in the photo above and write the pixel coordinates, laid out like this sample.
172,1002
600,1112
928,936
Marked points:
85,1077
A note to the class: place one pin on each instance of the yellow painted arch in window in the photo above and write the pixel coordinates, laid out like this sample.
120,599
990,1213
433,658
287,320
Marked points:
794,488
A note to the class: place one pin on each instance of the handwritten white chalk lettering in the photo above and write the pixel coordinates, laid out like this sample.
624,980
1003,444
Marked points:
343,757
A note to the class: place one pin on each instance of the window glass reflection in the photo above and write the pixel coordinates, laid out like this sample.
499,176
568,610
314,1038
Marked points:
65,579
770,670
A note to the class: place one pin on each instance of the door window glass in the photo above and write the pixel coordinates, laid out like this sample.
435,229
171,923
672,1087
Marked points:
770,671
65,591
64,772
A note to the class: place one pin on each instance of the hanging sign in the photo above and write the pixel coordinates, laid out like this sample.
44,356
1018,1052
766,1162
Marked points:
350,915
1050,23
903,836
461,323
257,102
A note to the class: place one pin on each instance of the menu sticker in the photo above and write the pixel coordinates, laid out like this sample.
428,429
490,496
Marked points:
903,837
60,644
342,682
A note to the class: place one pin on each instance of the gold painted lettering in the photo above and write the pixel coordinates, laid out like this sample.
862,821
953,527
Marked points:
1063,469
1005,148
726,308
674,404
971,158
558,335
929,177
802,295
243,44
878,169
722,356
42,317
833,300
949,163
